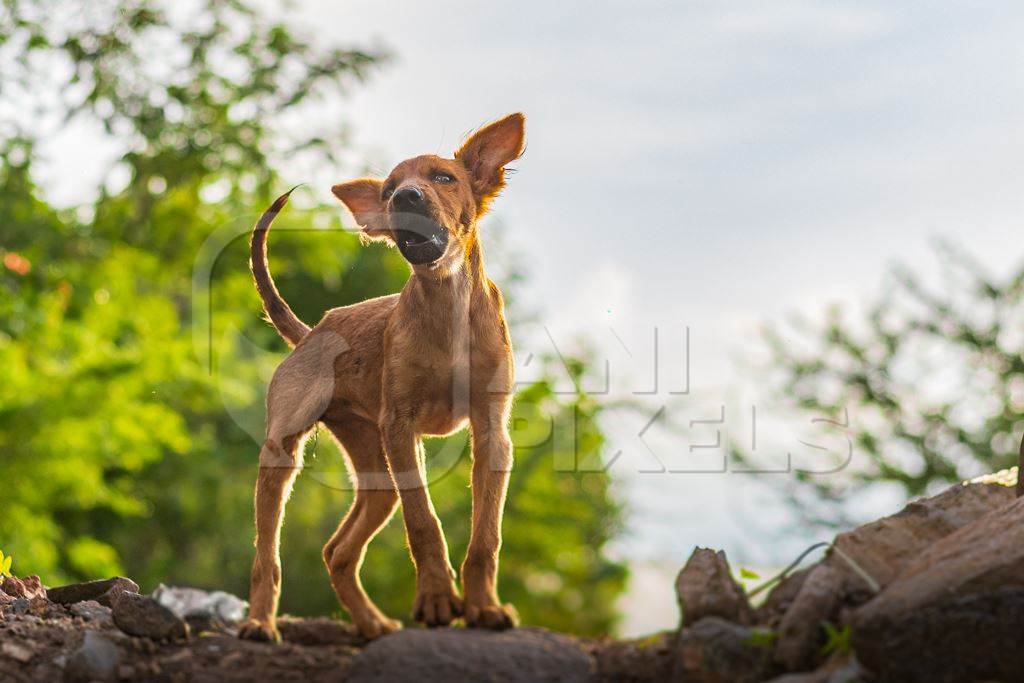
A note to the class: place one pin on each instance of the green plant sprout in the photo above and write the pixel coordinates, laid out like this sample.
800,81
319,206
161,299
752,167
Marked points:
837,639
762,637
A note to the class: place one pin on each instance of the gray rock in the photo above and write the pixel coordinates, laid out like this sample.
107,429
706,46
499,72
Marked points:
138,615
102,591
523,654
705,588
955,612
92,611
96,660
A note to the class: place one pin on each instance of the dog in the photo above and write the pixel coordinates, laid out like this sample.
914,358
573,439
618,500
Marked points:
383,373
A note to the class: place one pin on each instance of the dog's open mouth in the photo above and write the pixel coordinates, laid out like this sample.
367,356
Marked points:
420,239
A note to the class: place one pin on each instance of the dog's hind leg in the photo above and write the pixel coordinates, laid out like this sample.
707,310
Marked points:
273,486
297,397
375,502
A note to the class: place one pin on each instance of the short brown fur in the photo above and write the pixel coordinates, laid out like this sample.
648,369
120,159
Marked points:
383,373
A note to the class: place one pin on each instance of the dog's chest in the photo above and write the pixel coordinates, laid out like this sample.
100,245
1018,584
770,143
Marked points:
442,393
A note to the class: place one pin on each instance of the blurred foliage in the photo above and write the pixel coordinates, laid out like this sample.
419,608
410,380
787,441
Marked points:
931,378
120,450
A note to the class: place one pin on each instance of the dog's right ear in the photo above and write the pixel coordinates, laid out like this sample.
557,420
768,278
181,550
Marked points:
486,153
362,198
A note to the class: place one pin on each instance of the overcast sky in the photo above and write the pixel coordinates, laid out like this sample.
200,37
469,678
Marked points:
711,165
706,165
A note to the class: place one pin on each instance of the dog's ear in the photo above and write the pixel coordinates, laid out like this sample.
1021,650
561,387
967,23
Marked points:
488,150
362,197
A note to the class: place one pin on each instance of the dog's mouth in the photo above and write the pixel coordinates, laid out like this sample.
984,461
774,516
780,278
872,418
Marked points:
420,239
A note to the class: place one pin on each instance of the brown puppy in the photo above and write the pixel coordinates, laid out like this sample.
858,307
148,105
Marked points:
382,373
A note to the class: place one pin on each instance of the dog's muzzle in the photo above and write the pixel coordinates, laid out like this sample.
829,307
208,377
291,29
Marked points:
420,238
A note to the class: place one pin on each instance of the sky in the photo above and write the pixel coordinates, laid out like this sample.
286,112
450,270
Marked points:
702,168
711,166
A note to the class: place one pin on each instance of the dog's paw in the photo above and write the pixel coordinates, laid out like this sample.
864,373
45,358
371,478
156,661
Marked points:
491,615
260,631
371,629
437,606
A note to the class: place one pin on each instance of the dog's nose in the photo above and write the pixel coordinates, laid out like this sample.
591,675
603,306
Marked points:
408,198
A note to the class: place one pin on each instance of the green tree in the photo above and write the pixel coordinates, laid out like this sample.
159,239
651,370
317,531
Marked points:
120,449
931,377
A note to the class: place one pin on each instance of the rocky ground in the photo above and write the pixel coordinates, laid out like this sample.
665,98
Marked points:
934,593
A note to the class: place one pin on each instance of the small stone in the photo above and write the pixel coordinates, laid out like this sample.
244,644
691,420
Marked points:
96,660
102,592
92,611
34,606
142,616
706,588
19,653
28,587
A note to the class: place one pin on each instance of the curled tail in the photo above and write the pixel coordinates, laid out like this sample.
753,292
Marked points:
1020,471
284,320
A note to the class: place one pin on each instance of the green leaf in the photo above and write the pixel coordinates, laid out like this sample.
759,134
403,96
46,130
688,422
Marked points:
836,640
762,637
748,574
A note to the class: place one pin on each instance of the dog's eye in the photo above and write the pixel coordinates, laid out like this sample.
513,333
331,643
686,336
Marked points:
443,178
386,193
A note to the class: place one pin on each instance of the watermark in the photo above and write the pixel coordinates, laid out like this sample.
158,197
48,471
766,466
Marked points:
671,426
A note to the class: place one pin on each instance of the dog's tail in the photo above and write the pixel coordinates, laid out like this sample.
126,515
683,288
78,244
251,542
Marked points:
1020,471
281,316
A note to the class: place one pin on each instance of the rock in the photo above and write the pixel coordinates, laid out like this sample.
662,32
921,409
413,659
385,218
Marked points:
141,616
28,587
320,631
718,651
780,598
646,660
842,670
92,611
102,592
705,588
955,612
18,653
800,634
883,548
96,660
195,603
39,607
522,654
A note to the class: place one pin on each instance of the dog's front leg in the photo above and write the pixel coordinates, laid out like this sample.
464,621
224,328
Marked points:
437,600
492,462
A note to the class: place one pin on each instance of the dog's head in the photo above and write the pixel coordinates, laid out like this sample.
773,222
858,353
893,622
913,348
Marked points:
428,206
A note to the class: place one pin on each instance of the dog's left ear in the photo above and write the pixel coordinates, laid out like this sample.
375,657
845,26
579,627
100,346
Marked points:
362,197
488,150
